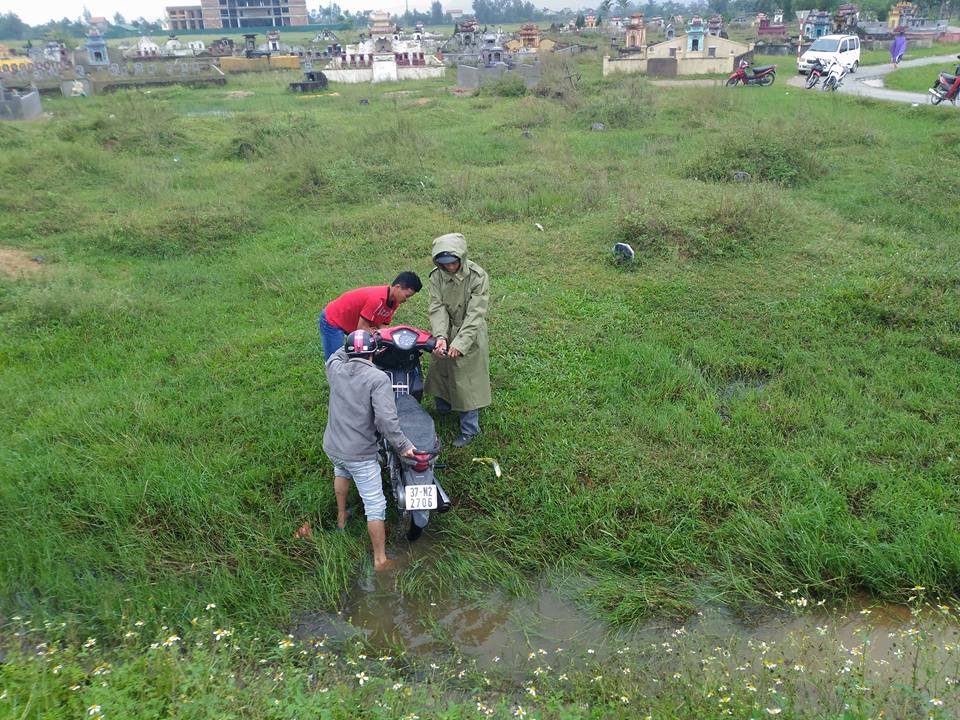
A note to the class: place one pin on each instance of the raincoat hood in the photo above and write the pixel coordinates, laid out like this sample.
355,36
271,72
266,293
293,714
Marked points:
454,244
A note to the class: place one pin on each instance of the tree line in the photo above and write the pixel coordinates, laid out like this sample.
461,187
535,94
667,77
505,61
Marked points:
13,28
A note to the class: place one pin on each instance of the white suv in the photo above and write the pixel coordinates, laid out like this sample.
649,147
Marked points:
843,48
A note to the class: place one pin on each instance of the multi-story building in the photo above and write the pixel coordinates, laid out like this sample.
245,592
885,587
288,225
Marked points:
184,17
254,13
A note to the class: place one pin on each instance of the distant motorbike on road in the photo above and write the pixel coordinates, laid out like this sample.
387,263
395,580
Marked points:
946,87
836,72
817,70
412,480
762,75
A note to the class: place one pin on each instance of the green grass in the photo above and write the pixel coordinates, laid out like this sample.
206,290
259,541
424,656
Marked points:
766,400
918,79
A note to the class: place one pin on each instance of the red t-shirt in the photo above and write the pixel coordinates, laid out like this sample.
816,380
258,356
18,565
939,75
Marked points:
370,303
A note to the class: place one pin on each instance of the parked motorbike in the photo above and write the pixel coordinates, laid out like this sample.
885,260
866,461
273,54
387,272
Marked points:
836,72
946,87
763,75
817,70
413,481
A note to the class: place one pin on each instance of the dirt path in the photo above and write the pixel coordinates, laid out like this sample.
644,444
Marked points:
15,262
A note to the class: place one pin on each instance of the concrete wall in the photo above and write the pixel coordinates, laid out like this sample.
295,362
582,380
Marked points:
704,66
626,64
684,66
19,107
421,72
776,49
259,64
353,76
473,77
384,70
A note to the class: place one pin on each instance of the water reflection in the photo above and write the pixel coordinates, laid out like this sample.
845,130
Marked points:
508,631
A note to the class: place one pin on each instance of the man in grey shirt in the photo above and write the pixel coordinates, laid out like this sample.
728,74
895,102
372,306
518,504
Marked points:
361,404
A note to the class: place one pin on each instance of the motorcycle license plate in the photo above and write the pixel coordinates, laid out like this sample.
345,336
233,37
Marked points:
421,497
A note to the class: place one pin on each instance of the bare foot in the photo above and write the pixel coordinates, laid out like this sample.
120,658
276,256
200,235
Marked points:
304,533
386,565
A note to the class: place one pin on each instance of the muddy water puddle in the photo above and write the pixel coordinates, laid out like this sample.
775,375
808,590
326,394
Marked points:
495,629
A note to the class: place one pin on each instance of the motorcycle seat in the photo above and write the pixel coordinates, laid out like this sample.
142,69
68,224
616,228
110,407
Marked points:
950,78
762,68
417,425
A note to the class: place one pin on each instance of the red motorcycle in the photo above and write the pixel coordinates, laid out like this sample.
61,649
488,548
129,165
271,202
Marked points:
763,75
818,69
946,87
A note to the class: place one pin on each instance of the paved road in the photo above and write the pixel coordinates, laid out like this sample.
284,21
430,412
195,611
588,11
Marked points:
856,85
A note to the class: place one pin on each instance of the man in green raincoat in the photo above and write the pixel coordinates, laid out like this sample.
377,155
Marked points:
459,376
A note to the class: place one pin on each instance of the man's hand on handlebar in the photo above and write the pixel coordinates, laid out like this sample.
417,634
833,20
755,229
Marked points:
409,453
440,350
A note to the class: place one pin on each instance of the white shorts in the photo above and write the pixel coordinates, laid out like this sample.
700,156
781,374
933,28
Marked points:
366,476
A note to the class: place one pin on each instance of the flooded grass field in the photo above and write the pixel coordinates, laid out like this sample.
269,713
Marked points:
766,400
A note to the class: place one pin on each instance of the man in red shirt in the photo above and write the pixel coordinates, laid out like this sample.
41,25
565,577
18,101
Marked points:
366,308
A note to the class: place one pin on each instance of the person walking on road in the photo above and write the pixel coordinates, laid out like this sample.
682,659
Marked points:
898,48
366,308
459,375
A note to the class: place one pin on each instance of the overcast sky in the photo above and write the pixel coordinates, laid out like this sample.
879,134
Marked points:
36,12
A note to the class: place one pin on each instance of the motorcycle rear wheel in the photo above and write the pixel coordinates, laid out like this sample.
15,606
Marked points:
732,82
768,79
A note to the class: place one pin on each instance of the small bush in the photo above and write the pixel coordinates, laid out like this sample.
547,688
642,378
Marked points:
531,112
767,158
701,224
559,80
131,122
507,85
628,106
174,232
261,136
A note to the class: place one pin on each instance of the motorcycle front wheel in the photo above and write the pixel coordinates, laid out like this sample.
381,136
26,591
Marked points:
828,84
414,531
732,82
768,79
935,98
812,81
